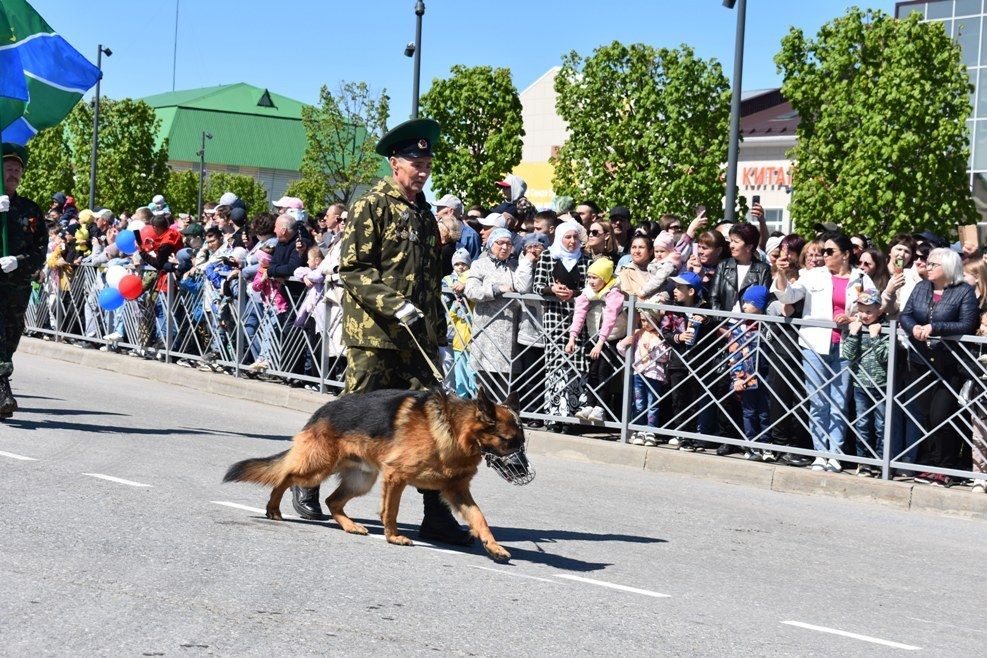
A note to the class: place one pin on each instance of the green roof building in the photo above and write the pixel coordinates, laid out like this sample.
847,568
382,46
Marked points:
254,132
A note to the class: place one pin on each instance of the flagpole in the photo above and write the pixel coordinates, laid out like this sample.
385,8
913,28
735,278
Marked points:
3,215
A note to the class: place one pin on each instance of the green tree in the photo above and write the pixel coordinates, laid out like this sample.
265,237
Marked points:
341,131
132,168
253,194
182,191
50,167
882,145
480,113
648,129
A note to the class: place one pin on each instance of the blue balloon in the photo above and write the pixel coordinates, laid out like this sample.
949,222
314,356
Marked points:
110,299
126,242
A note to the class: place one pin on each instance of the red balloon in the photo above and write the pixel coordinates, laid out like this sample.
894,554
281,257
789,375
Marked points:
131,287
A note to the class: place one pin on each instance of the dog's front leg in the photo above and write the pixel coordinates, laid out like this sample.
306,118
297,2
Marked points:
392,488
462,501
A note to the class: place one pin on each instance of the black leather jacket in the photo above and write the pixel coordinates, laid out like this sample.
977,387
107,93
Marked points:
724,291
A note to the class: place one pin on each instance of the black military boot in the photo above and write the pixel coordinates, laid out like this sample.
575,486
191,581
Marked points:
305,500
8,405
439,524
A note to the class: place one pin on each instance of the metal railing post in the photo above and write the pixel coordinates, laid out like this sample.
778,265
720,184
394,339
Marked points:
889,401
323,357
239,324
169,282
628,369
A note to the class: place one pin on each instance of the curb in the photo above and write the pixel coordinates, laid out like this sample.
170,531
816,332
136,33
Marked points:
730,470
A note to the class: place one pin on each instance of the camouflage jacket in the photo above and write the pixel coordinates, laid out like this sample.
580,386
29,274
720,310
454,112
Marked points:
390,255
27,238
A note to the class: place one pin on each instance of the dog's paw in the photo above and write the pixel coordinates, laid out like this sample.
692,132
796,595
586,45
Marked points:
274,515
400,540
497,552
356,529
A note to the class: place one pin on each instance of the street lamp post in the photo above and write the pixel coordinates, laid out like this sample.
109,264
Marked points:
92,164
419,12
202,169
738,70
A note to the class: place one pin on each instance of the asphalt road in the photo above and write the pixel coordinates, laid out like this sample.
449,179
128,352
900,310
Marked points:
118,538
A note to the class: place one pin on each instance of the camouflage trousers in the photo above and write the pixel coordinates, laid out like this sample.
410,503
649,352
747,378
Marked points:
371,369
13,305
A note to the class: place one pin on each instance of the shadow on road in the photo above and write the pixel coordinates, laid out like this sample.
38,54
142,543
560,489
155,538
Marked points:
67,412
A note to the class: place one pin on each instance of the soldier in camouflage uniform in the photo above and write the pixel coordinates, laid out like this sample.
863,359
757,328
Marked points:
23,245
391,272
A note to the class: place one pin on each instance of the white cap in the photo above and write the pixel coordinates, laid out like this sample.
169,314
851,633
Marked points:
289,202
227,199
494,220
158,199
450,201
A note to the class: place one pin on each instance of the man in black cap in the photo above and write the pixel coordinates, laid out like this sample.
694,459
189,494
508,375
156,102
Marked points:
620,222
23,245
393,318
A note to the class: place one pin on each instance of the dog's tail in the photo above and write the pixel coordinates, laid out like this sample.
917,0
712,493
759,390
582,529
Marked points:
264,470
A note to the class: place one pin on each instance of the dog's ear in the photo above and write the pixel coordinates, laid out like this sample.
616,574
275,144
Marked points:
513,402
484,404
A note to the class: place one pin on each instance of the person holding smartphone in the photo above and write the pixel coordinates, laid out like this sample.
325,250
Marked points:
757,212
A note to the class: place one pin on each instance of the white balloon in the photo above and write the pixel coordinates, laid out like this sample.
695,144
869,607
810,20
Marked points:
135,225
113,275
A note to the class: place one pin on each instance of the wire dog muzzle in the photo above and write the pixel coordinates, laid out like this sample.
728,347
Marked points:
513,467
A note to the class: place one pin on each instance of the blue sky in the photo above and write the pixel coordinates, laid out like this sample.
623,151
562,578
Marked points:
294,46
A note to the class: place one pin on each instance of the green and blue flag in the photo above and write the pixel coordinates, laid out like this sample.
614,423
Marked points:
42,77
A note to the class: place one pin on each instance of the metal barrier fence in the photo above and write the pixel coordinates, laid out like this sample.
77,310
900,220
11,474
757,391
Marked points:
747,382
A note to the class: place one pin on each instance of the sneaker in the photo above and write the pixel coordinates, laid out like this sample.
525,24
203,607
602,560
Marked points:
685,445
924,478
113,337
939,480
769,456
104,348
583,413
650,440
864,471
185,363
979,487
674,441
834,466
637,439
260,365
204,367
752,455
819,464
595,415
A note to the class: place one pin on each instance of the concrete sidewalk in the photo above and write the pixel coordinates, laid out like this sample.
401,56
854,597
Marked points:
903,495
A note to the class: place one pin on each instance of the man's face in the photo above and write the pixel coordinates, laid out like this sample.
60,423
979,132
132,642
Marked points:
332,219
620,225
411,174
284,231
212,242
13,171
544,227
586,214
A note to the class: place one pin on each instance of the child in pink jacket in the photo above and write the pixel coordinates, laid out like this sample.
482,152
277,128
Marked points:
600,308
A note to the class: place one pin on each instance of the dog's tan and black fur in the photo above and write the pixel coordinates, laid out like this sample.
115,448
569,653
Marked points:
428,440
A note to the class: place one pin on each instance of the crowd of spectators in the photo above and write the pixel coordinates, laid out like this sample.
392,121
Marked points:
537,303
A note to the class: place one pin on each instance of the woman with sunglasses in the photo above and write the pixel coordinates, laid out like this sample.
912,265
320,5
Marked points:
830,295
600,242
942,305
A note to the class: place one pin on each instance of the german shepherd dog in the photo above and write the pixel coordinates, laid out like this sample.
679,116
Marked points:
429,440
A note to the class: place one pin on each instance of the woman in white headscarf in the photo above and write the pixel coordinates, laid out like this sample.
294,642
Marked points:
560,275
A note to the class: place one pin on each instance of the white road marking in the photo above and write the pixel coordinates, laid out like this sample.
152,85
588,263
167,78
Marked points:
623,588
509,573
247,508
13,456
110,478
855,636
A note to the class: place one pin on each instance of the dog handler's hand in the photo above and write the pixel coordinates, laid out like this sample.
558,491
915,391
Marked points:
410,316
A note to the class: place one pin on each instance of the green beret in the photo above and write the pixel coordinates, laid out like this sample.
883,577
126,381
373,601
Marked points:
411,139
15,151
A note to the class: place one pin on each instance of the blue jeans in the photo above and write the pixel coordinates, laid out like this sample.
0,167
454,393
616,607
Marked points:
646,392
754,402
827,385
165,322
869,424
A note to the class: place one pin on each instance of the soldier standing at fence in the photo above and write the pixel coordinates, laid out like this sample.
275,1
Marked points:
391,273
23,243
